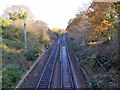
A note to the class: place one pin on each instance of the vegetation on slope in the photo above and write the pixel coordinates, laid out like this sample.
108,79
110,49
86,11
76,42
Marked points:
93,35
15,61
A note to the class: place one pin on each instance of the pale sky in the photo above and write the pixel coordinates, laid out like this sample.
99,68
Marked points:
56,13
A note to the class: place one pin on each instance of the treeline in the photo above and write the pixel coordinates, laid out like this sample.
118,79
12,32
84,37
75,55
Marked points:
94,34
15,61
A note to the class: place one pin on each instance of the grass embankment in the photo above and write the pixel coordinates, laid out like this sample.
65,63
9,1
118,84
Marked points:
15,61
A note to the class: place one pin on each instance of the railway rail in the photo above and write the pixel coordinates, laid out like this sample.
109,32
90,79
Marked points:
66,75
46,77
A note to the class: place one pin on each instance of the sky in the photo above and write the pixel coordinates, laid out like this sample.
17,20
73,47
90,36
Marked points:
56,13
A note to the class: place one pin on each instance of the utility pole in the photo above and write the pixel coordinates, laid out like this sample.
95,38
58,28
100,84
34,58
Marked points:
25,37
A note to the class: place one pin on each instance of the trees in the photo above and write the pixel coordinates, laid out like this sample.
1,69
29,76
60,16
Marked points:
93,36
101,20
16,12
5,22
58,31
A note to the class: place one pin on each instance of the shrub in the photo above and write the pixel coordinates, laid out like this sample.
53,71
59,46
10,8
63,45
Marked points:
30,54
93,82
75,47
107,79
11,76
5,22
14,44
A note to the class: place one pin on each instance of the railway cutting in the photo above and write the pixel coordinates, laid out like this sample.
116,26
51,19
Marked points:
56,70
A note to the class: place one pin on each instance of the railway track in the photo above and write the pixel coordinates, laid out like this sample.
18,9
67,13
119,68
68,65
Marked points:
66,75
46,77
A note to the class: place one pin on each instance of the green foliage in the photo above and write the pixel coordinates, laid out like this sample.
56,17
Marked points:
53,35
46,44
107,79
17,44
39,38
16,15
11,76
5,22
16,12
93,82
24,16
105,61
30,54
13,34
75,47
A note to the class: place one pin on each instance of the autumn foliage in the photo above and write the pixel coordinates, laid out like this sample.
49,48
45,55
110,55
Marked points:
94,33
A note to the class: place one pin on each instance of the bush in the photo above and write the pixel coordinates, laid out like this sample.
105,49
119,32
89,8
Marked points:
75,47
93,82
11,76
30,54
5,22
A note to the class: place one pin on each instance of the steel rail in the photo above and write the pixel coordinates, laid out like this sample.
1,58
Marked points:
71,76
69,69
74,76
57,44
69,65
53,65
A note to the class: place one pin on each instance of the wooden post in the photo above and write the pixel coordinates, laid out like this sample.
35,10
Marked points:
25,37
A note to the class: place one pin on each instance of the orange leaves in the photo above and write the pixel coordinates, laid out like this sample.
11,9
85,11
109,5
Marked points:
100,17
101,21
105,22
93,43
99,31
103,28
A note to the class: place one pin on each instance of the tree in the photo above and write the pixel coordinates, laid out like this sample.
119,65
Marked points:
5,22
16,12
101,21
